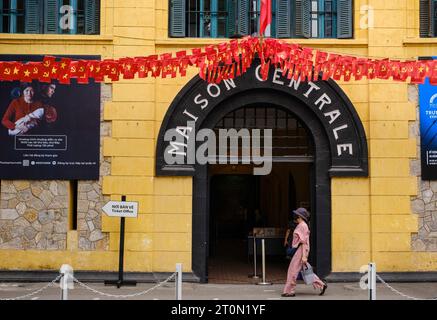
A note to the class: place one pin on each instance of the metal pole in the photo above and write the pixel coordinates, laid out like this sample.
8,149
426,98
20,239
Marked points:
66,280
372,281
65,288
255,276
263,252
178,281
121,282
121,255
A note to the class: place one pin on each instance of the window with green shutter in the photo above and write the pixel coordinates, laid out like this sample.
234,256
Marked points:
237,18
32,18
297,19
92,17
216,18
50,16
325,19
177,18
428,18
344,19
434,18
11,16
246,11
283,19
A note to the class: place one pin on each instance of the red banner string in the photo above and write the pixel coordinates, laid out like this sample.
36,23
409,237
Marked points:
225,61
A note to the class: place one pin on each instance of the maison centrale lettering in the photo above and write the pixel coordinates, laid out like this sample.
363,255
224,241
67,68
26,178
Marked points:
322,104
199,105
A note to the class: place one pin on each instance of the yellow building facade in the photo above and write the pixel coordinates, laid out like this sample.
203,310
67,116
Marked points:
373,219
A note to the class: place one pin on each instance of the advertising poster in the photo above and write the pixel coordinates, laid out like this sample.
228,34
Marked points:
428,129
48,130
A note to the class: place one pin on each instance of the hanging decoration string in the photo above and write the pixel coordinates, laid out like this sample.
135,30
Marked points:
223,61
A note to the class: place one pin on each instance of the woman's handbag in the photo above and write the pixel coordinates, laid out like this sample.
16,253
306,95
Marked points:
290,251
307,273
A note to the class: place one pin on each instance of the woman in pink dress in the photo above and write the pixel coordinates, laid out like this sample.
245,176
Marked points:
301,241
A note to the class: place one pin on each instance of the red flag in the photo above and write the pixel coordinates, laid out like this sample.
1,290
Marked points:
82,72
371,69
26,73
6,70
395,69
349,66
266,15
232,71
94,70
155,67
338,71
54,70
45,76
265,70
128,68
383,69
403,71
419,73
64,71
361,68
73,68
16,70
202,69
36,70
433,73
166,64
321,58
46,70
142,67
429,67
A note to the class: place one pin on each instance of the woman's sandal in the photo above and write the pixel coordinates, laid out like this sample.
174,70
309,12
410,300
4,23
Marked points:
325,286
288,295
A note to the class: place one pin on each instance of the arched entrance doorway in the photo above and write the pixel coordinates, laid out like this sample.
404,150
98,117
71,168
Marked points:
242,203
339,144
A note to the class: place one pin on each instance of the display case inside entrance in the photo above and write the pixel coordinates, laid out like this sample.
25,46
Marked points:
274,241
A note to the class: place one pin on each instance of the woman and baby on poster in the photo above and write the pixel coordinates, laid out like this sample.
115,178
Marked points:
30,110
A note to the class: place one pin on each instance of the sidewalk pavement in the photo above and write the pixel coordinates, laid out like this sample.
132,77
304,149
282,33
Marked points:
196,291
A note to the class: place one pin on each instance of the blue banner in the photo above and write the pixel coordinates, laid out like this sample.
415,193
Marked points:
428,129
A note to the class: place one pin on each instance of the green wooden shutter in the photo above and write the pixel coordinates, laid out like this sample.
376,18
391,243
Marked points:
51,16
344,19
424,18
32,16
177,18
283,19
297,10
306,18
231,18
1,16
92,16
243,17
433,15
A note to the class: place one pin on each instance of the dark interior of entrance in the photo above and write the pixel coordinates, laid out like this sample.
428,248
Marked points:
242,203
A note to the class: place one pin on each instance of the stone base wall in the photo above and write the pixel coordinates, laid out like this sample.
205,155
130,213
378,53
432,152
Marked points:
34,215
89,216
90,199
